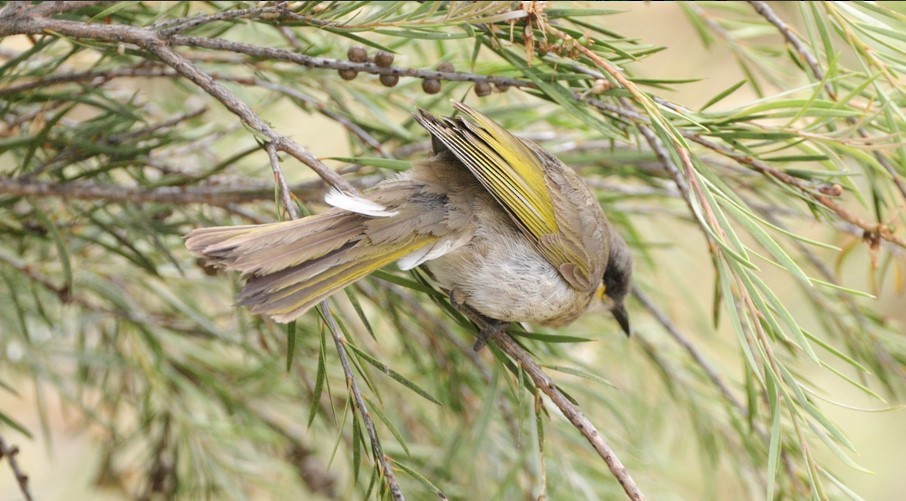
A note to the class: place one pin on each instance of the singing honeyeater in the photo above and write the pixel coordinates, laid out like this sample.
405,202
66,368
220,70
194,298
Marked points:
500,224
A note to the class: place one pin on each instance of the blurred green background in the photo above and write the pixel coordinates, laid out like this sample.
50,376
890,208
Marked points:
65,467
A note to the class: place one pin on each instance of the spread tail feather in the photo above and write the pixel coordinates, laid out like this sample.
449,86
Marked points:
291,266
270,295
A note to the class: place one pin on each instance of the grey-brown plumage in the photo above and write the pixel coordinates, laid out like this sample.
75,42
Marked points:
501,225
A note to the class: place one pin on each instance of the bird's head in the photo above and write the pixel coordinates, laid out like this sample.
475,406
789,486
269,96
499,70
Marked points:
616,281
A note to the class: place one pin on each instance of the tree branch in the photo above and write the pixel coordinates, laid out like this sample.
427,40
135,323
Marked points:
337,64
757,165
766,12
153,43
377,450
10,452
54,8
572,413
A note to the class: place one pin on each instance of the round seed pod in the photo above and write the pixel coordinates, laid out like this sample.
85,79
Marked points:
482,89
347,74
383,59
431,86
390,80
357,54
446,67
501,87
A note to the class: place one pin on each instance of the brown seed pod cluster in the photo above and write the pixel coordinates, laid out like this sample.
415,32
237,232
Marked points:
356,54
383,59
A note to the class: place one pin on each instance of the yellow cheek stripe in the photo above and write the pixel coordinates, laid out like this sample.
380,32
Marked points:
599,292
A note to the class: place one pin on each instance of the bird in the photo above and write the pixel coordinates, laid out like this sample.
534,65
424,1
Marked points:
503,227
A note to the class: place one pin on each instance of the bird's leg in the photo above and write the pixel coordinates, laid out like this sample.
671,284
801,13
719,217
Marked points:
487,331
487,327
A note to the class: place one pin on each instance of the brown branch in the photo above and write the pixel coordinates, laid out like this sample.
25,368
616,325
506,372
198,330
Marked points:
880,230
61,291
542,381
96,77
337,64
157,45
800,48
239,108
377,451
9,452
99,77
14,9
53,8
216,195
172,26
765,10
383,461
286,196
320,107
690,348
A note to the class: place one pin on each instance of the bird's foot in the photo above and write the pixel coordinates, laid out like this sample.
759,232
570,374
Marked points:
487,327
487,331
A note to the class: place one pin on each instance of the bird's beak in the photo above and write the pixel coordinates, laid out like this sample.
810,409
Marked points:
622,316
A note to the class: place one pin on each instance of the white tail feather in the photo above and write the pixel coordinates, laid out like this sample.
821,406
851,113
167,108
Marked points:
359,205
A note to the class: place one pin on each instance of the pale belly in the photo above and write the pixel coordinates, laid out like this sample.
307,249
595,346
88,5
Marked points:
501,275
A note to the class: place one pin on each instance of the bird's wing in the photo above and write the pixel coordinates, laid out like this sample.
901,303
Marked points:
519,181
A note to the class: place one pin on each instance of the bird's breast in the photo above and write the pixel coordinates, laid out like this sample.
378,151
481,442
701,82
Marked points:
500,274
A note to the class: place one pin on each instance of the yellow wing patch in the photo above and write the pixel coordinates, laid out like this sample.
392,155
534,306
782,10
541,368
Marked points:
514,175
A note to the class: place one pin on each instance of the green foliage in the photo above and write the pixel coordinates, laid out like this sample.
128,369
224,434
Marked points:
108,156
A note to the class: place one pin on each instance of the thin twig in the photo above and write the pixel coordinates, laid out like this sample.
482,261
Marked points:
61,291
542,381
382,460
377,451
96,77
159,46
319,106
337,64
172,26
880,230
790,36
53,8
10,452
800,48
286,196
690,348
216,195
